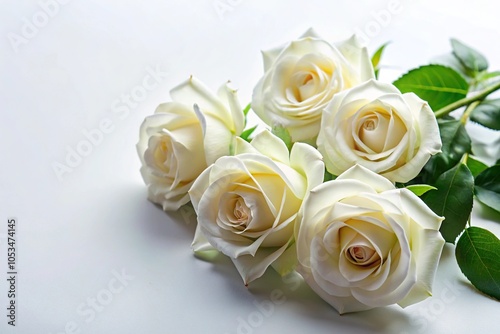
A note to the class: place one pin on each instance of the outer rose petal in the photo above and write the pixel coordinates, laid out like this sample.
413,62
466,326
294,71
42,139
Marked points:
270,145
220,124
358,57
310,33
309,162
217,138
194,91
360,173
253,267
427,244
229,95
200,242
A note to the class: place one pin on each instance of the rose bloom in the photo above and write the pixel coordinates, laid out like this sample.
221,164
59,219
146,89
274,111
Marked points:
376,126
302,77
247,204
179,141
362,243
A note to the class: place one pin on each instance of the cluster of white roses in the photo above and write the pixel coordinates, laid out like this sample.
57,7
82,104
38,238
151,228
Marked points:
358,241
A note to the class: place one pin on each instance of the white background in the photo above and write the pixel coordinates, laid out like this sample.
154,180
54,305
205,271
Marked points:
77,231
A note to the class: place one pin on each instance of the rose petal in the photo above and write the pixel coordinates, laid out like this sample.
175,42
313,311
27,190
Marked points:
271,146
377,182
309,162
357,56
194,91
200,242
242,146
427,246
229,95
253,267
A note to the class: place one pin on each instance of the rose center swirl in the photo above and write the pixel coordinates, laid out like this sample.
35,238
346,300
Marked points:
163,154
303,86
360,254
241,211
237,214
370,124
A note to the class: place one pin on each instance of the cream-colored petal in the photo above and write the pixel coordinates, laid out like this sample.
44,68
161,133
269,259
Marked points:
343,304
377,182
287,261
271,146
325,269
415,208
310,33
427,247
242,146
199,187
429,140
169,115
308,161
402,276
260,164
373,130
269,56
357,56
161,192
229,96
200,242
369,91
193,91
253,267
324,195
217,138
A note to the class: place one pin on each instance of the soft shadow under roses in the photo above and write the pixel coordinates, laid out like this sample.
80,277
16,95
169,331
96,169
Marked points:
298,296
302,301
179,226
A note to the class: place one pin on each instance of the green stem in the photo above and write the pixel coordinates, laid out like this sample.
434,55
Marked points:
467,112
467,100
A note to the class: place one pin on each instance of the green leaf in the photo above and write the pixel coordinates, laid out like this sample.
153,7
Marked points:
438,85
487,113
246,134
283,134
469,57
247,109
376,58
453,200
450,60
487,187
456,142
328,176
420,189
475,165
378,54
478,256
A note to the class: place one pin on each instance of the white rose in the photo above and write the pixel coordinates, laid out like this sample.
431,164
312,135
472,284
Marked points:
376,126
247,204
362,243
178,141
302,77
